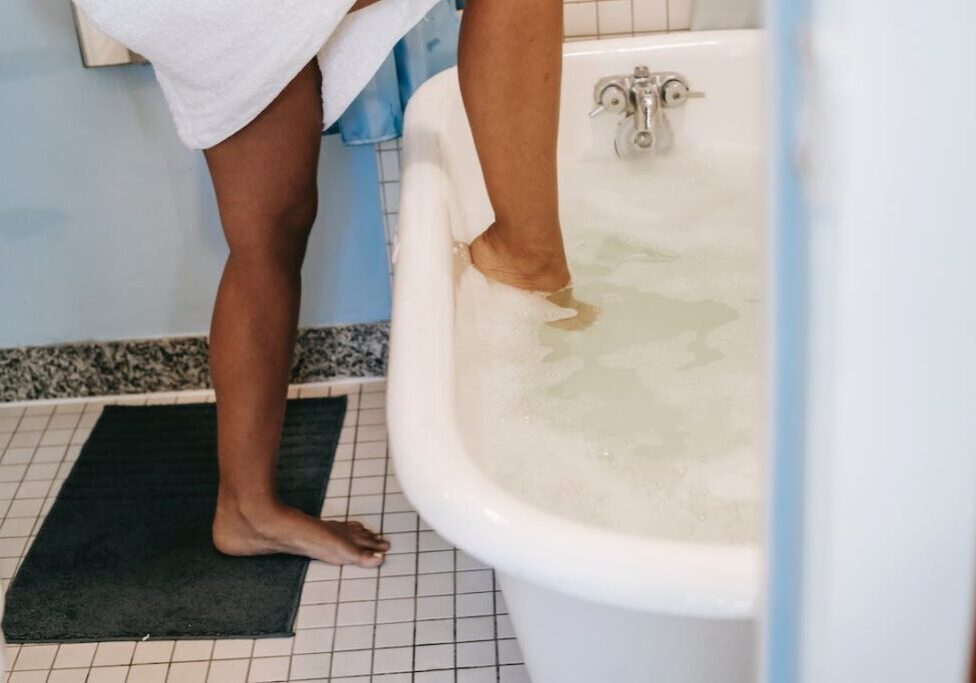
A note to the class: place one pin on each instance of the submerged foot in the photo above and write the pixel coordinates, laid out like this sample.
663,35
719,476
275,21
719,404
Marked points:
586,314
283,529
539,267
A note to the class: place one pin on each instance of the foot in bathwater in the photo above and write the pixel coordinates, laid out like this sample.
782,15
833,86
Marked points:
537,268
283,529
538,271
586,314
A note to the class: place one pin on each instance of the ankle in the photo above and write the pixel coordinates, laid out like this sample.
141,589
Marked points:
251,509
541,245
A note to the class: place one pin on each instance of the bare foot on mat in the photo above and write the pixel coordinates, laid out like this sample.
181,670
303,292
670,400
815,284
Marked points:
283,529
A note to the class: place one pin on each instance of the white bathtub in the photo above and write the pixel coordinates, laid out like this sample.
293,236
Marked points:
588,605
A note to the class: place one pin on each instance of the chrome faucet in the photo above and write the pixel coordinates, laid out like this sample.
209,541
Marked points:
642,95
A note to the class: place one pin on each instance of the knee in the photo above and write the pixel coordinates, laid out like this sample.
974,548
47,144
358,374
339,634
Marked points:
277,233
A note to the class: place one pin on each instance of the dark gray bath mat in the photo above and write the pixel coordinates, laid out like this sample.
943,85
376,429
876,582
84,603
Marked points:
125,551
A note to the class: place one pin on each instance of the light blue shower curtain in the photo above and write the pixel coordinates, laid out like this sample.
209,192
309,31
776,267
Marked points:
427,49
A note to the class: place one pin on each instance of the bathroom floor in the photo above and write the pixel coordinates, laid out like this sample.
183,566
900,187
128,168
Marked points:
430,614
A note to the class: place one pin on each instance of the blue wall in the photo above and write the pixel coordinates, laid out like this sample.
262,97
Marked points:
108,226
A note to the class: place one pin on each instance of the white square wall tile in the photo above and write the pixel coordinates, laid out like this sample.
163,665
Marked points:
650,15
615,16
679,15
579,18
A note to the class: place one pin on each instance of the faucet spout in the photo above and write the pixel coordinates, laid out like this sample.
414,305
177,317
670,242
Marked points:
645,116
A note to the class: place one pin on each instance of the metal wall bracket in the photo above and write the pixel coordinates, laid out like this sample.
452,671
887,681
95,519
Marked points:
98,49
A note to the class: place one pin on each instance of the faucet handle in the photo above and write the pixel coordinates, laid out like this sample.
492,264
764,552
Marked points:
610,97
675,92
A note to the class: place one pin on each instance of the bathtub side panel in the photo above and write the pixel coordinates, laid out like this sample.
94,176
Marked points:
567,640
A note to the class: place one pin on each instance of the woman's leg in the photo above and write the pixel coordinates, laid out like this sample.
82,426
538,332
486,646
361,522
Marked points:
265,180
510,67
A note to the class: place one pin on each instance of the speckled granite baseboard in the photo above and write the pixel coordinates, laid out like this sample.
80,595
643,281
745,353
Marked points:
172,364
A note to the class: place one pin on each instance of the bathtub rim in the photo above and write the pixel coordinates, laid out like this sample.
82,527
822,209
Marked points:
441,479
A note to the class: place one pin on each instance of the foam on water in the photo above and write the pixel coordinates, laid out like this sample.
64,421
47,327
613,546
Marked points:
648,421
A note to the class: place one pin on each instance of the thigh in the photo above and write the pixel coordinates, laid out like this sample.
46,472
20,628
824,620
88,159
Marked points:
265,175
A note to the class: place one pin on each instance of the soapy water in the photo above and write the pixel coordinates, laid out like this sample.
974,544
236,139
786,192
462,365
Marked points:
649,420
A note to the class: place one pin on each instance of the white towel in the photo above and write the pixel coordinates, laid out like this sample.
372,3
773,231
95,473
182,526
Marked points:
221,62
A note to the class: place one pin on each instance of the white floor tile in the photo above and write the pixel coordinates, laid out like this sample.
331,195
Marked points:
319,592
352,663
429,657
192,650
353,637
352,590
315,616
28,676
392,660
310,666
152,652
108,674
268,669
114,653
228,671
68,676
479,675
435,584
394,635
187,672
514,674
75,655
35,657
509,652
147,673
434,632
272,647
475,628
313,641
233,649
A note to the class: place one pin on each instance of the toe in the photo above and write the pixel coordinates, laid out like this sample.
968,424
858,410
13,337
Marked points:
365,538
367,558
